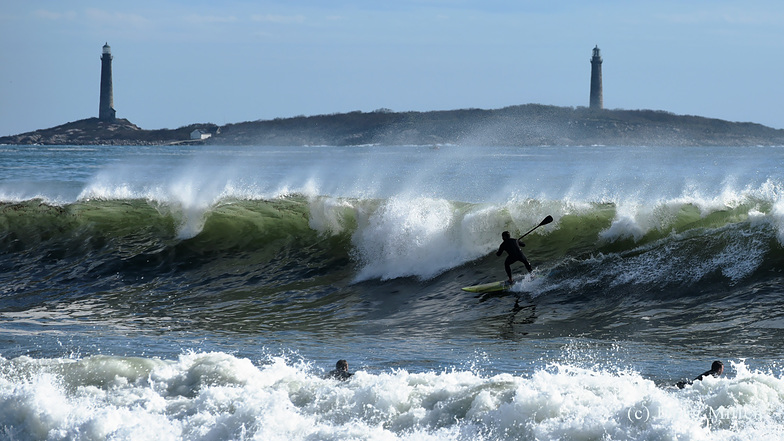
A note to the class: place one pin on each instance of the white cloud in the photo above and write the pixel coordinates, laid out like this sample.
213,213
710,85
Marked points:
53,15
198,19
725,16
279,19
117,18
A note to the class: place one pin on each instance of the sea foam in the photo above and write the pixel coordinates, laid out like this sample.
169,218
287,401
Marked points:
219,396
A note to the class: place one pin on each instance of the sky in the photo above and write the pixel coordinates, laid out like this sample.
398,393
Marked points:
178,62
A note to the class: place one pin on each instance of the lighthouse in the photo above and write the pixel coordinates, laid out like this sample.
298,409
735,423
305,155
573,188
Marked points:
106,110
597,101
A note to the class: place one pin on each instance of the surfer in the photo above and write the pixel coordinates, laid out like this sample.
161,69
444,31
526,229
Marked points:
717,368
515,254
341,371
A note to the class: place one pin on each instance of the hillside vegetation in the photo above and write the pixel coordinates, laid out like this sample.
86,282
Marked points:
524,125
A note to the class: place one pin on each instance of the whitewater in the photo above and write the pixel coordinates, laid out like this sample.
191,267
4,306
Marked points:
203,292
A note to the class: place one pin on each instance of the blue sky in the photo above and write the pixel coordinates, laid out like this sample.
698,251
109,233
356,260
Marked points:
178,62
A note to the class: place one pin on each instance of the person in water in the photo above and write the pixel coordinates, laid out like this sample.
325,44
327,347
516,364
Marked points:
515,254
341,371
717,368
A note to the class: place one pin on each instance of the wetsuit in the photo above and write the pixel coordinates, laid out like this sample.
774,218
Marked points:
716,369
515,254
339,374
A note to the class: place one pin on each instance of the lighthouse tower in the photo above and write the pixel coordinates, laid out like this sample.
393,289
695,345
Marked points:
597,100
106,110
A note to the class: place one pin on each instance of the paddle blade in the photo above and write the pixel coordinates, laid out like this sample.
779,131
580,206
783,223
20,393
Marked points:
546,221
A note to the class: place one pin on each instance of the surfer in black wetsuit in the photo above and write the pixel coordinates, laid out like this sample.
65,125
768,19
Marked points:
341,371
515,254
717,368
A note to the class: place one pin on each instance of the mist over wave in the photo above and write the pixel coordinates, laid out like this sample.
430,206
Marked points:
420,212
684,239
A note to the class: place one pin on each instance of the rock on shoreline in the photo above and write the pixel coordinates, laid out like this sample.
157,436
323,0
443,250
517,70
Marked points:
93,131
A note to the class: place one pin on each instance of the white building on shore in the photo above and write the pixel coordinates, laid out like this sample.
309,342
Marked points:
198,134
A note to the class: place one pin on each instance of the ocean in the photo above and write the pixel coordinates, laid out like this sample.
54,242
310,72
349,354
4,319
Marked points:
203,292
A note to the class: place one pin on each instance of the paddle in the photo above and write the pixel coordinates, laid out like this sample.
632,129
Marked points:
546,221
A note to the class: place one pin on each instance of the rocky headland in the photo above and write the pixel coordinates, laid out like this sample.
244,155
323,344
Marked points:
93,131
525,125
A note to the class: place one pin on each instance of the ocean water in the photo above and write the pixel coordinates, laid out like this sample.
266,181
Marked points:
202,292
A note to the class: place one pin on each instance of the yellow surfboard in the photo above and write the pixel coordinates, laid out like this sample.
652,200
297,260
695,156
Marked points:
503,285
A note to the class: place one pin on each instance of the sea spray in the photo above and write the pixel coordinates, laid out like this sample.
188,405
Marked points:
406,237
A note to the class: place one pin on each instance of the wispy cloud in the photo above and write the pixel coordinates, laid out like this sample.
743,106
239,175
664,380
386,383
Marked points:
724,16
278,19
53,15
200,19
117,18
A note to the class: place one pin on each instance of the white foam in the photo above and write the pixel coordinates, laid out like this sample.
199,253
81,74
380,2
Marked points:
777,215
417,236
329,215
408,237
219,396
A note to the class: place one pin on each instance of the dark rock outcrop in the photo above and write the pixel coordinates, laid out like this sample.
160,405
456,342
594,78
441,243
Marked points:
93,131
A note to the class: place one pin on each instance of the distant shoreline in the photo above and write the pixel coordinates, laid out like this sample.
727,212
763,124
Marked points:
524,125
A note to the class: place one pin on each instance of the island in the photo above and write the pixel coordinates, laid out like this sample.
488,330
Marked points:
522,125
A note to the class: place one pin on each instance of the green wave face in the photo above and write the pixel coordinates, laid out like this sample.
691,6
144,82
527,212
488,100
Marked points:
381,239
327,264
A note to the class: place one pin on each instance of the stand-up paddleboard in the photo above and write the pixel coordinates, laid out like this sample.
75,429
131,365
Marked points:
503,285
